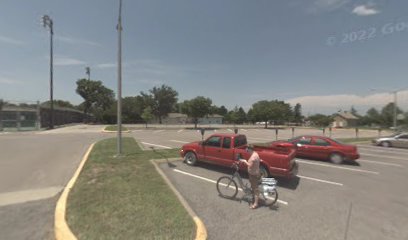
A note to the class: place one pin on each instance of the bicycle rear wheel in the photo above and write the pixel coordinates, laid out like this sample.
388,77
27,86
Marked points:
227,187
269,198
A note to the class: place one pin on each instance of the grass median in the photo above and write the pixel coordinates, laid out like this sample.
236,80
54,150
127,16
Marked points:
125,198
115,128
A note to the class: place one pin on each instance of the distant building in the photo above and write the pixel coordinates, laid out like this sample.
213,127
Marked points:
345,119
175,118
211,119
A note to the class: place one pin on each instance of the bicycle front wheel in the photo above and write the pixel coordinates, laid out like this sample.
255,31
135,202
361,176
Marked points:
270,198
227,187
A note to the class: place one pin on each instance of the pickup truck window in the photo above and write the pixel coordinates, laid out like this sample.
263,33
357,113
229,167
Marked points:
214,142
226,142
240,141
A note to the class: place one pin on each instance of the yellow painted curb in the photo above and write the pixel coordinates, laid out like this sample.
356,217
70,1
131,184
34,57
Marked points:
201,232
61,228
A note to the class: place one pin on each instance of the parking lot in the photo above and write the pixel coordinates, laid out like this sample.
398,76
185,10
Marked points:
367,200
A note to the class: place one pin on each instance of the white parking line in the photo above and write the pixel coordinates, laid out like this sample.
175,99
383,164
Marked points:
180,130
230,130
212,181
380,163
331,166
158,131
391,157
151,144
320,180
177,141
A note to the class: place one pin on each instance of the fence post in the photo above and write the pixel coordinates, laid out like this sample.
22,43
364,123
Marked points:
379,132
356,132
324,131
330,132
276,133
293,132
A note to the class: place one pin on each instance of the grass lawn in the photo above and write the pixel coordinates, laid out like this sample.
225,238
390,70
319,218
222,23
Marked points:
125,198
115,128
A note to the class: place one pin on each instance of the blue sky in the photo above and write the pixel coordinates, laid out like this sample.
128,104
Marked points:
326,54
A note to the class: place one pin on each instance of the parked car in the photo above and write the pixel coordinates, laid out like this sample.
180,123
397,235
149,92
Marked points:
396,140
319,147
222,149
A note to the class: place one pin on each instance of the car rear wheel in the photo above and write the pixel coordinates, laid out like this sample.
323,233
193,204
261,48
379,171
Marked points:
386,144
263,171
336,158
190,158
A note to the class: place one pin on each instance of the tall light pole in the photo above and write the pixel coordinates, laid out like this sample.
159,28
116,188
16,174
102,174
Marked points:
88,72
119,117
47,23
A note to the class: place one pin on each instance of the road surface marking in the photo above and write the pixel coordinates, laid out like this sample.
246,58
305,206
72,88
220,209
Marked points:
212,181
376,155
180,130
382,149
380,163
9,198
177,141
229,130
244,130
331,166
320,180
158,131
151,144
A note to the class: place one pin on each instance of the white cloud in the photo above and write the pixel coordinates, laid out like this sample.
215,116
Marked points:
326,5
66,61
365,10
106,65
11,41
71,40
8,81
332,103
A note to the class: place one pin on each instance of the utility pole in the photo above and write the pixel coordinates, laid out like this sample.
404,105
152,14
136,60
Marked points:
119,117
47,22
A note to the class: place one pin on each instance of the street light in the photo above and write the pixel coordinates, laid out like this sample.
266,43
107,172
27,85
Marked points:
395,92
47,23
88,72
119,117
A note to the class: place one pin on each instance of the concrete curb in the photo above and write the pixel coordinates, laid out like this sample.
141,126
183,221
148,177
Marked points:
61,228
201,232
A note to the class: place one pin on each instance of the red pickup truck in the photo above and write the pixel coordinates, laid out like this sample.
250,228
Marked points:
222,149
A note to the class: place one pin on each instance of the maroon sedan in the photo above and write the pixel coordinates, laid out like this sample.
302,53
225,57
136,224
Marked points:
320,147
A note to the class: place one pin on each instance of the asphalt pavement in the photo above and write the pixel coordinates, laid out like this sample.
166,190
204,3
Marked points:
34,168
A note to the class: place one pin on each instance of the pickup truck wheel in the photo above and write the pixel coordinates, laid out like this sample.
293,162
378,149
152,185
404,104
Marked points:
336,158
190,158
263,171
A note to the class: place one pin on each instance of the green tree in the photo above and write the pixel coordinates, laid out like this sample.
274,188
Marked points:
276,111
197,108
2,103
97,97
132,109
161,99
147,115
251,117
387,114
59,103
297,113
321,120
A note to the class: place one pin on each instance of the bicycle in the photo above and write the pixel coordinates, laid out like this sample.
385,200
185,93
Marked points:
227,187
